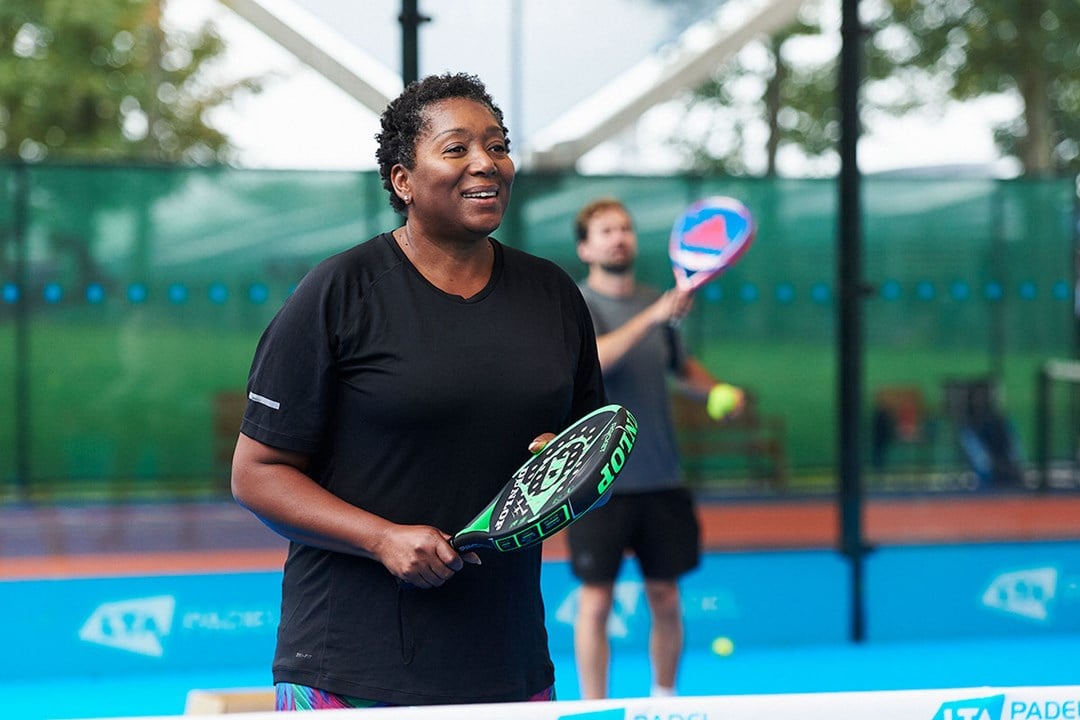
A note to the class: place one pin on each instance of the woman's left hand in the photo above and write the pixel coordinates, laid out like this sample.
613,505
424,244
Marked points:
540,442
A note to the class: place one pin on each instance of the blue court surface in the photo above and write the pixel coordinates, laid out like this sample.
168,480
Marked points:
963,616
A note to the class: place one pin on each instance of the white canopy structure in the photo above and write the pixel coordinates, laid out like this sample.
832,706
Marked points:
676,67
323,49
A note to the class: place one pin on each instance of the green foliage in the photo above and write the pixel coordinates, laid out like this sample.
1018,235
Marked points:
1026,47
104,81
918,52
767,83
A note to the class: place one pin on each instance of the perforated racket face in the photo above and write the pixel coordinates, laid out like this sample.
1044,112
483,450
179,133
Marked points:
708,238
556,486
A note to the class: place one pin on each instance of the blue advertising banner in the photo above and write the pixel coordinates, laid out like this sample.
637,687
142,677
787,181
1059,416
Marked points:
90,626
960,591
762,598
182,622
173,623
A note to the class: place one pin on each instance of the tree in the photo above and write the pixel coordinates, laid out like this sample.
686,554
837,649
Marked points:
919,53
1026,47
105,81
767,100
763,93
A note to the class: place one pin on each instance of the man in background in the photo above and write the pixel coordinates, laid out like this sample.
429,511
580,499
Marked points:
650,512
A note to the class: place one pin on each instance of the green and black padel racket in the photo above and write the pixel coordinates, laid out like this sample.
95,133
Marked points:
570,476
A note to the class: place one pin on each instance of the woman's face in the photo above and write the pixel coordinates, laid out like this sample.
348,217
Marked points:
463,172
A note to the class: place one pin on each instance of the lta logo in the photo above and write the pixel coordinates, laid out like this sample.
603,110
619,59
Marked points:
1027,593
988,708
136,625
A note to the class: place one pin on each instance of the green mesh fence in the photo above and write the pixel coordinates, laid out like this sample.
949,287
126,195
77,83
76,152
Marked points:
131,300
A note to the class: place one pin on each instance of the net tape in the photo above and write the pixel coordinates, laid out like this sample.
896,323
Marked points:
979,703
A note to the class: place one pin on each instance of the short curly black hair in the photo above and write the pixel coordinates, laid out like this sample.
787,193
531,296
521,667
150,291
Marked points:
403,120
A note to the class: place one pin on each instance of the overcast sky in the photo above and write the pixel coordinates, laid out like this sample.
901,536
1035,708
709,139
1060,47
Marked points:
563,55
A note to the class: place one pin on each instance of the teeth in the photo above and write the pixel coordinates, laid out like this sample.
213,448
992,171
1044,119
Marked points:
484,194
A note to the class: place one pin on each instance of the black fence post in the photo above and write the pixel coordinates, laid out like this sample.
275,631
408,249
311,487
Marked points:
411,20
21,391
851,287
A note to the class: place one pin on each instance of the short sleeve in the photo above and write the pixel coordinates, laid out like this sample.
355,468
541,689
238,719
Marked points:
293,371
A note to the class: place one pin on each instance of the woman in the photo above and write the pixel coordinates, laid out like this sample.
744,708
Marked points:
397,389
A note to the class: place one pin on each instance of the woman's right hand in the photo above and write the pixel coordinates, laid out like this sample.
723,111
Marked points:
421,555
272,484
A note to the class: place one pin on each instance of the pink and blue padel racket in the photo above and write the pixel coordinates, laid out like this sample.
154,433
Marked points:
572,475
707,238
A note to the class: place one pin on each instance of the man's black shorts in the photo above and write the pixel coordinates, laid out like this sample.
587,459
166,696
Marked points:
660,528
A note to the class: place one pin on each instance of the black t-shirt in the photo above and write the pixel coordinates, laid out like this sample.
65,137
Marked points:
418,406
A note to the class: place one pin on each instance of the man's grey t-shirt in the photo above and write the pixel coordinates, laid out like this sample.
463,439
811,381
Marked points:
640,383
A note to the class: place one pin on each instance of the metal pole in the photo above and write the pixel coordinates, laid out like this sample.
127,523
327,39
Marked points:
850,316
1076,267
410,19
1042,426
21,391
517,75
999,273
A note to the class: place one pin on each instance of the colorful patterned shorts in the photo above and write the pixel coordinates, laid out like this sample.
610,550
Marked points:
291,696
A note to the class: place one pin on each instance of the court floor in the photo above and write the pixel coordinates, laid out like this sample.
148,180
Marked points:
92,547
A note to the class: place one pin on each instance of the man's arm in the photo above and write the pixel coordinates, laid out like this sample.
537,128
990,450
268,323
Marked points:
613,346
695,381
722,401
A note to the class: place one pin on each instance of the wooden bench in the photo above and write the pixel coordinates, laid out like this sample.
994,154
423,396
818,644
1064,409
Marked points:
901,419
749,449
226,702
